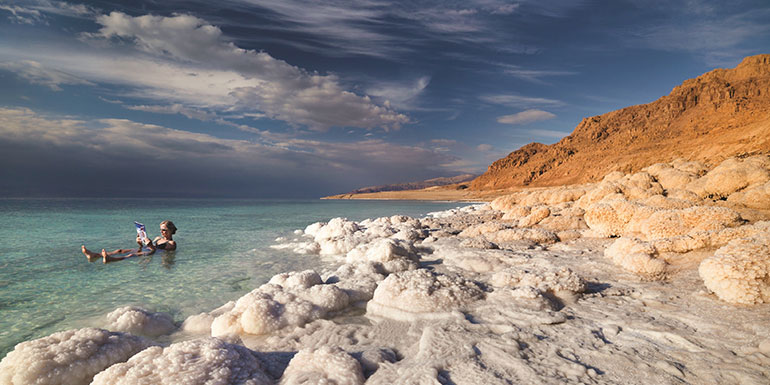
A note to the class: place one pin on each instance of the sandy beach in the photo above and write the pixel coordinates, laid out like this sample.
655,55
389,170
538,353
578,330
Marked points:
641,278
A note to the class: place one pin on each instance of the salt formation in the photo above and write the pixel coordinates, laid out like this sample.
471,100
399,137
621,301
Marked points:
195,362
201,323
68,357
323,366
135,320
421,294
740,271
289,299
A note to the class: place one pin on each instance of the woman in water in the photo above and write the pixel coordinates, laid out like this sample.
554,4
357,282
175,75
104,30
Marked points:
164,242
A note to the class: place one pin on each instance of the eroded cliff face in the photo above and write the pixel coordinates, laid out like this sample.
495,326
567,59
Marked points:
722,113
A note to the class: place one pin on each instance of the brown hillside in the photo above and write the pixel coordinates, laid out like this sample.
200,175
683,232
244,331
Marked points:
719,114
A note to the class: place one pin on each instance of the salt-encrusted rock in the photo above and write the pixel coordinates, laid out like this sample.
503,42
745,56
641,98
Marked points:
545,280
484,228
732,175
326,365
670,177
616,217
273,306
671,223
421,294
756,197
530,234
740,271
358,280
201,323
394,254
68,357
139,321
478,243
197,362
537,214
636,256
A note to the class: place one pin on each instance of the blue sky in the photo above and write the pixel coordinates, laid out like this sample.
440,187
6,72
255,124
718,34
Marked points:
286,98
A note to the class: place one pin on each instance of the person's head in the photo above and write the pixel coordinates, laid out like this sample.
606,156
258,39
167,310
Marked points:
167,228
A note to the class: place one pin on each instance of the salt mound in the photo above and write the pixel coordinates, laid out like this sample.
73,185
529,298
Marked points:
201,323
326,365
512,235
636,256
203,361
274,306
616,217
68,357
740,271
732,175
671,223
756,197
544,280
136,320
670,177
394,254
421,294
358,280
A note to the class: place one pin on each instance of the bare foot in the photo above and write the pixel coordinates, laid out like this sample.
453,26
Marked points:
104,256
88,253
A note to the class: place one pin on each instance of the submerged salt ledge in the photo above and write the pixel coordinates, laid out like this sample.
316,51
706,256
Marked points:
629,280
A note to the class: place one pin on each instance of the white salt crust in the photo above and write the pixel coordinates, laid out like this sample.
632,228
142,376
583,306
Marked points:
196,362
326,365
139,321
68,357
740,271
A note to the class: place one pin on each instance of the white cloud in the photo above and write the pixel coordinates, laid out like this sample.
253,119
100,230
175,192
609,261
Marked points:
525,117
548,133
36,73
484,147
278,89
519,101
401,96
191,113
183,60
33,11
22,15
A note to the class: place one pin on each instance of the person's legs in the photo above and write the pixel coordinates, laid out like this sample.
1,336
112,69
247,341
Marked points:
88,253
110,257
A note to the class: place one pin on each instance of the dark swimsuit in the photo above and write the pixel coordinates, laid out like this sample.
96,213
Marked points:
161,246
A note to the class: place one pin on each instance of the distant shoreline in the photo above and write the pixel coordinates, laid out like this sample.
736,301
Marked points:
443,193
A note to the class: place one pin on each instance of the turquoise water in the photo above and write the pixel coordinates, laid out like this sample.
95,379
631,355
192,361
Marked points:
47,285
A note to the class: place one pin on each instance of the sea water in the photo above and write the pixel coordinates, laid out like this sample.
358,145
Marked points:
48,285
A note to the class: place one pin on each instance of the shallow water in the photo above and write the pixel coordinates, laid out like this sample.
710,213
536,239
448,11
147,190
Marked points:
46,284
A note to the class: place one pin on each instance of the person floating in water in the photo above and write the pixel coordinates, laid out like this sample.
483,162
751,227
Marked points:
164,242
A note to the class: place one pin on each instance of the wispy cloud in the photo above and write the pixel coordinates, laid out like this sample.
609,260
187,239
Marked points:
399,95
525,117
34,11
519,101
36,73
716,32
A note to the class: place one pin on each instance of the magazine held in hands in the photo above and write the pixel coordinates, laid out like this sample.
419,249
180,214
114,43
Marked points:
140,231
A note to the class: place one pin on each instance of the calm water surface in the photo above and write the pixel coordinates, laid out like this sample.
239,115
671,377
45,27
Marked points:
47,285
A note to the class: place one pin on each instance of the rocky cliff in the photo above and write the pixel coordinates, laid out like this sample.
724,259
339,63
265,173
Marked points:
719,114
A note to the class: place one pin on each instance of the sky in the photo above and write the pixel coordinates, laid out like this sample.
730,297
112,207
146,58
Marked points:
301,99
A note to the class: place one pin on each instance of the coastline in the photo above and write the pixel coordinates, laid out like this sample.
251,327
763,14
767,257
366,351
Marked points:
449,193
627,281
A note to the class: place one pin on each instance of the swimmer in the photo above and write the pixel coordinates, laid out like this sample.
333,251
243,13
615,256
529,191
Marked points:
164,242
